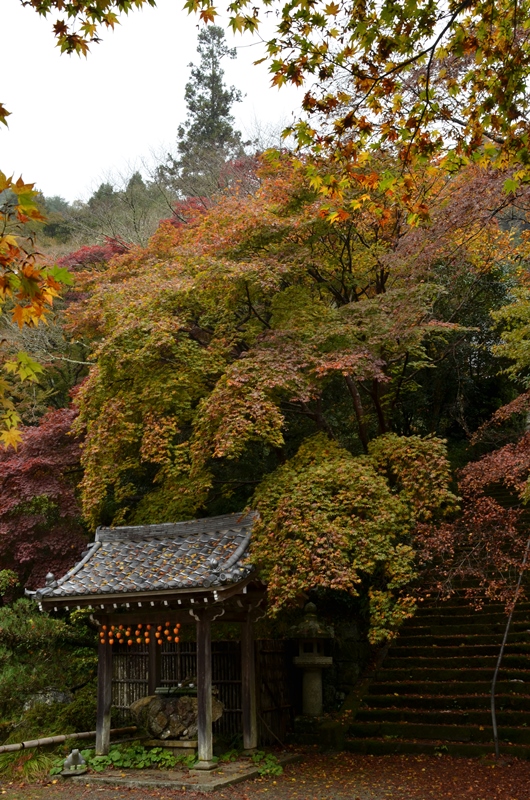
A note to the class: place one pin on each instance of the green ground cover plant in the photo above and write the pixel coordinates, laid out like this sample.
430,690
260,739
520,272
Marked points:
131,756
267,763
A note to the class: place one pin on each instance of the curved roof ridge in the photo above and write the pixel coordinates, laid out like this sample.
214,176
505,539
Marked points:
186,527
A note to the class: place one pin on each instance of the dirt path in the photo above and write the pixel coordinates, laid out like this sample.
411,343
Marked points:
334,777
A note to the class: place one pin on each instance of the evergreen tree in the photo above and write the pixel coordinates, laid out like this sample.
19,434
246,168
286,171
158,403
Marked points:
207,141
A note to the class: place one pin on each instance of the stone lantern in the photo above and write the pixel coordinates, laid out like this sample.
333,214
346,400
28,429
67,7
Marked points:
311,634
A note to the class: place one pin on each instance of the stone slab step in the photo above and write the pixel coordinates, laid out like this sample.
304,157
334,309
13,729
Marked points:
448,688
450,608
466,609
443,661
458,651
379,746
442,639
446,733
469,716
463,675
472,618
432,693
441,628
478,702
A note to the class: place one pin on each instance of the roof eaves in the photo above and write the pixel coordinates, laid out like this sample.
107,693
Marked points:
100,600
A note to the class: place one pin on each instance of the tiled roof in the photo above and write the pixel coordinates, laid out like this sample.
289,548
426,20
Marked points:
201,553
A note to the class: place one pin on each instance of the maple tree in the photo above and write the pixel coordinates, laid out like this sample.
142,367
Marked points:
417,78
27,291
330,520
484,547
90,256
40,520
487,541
237,336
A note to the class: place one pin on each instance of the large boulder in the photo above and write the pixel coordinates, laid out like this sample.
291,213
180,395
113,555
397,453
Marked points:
171,717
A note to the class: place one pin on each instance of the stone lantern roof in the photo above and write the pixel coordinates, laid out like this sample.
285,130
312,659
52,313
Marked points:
311,627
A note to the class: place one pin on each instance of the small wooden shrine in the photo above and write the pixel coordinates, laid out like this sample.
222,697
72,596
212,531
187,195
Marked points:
149,580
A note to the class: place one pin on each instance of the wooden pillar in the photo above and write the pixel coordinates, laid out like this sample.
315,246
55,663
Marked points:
248,686
104,699
155,664
204,691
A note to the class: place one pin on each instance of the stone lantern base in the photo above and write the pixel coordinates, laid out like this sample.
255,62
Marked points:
312,665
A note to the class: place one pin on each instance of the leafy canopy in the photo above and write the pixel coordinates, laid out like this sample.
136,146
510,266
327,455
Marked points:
330,520
27,291
262,354
40,519
420,77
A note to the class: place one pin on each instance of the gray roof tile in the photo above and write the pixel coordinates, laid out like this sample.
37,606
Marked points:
144,558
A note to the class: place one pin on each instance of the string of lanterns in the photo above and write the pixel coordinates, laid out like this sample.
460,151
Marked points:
139,634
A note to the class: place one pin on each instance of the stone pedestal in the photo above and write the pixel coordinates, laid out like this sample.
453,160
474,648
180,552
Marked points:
311,634
312,665
200,766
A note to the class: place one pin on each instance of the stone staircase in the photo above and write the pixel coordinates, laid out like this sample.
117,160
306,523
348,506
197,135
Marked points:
432,692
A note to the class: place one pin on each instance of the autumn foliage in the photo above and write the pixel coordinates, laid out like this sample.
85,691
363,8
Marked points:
40,521
27,291
232,341
335,521
93,255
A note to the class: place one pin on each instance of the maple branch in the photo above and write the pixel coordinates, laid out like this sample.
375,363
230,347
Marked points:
501,652
434,361
71,360
314,273
200,334
317,416
408,61
374,394
463,124
253,310
401,379
359,411
321,420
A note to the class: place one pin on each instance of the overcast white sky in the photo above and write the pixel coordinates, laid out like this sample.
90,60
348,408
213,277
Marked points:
74,120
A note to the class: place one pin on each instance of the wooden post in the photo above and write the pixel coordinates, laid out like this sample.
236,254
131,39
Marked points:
248,686
104,699
154,668
204,691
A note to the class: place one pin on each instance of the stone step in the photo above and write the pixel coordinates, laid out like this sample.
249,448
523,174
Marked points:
461,661
464,716
450,608
461,650
463,607
446,733
450,688
479,702
472,618
432,693
441,628
463,675
379,746
443,639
